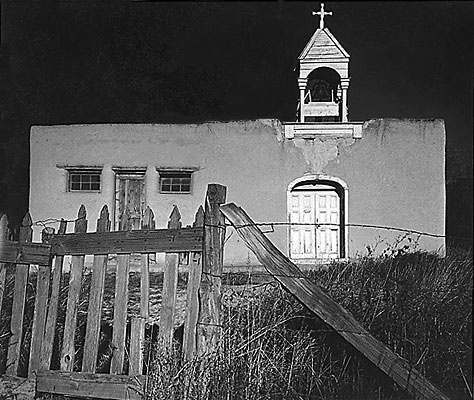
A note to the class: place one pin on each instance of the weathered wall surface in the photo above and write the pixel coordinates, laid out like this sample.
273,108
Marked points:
396,178
395,173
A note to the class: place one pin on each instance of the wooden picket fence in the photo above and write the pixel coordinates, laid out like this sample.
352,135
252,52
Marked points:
203,241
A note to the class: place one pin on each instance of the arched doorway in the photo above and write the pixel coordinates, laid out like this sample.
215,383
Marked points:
317,212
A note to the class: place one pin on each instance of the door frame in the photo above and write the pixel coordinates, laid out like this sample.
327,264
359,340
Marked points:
342,189
127,173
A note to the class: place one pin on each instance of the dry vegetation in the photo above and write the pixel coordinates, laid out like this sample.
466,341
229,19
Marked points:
418,304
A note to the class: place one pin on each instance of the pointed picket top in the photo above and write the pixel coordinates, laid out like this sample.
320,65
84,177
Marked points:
103,223
47,234
26,232
62,227
3,227
80,224
199,218
175,219
148,221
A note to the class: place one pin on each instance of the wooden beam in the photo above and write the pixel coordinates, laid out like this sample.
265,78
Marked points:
138,241
315,299
99,386
209,322
25,253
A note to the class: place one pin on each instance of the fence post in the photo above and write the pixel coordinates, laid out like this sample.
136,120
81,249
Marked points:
170,282
48,340
75,283
209,323
19,297
96,295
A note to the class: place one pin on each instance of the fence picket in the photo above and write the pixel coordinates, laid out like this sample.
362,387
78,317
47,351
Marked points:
170,283
96,295
75,283
137,338
39,317
137,325
19,297
48,340
192,298
120,313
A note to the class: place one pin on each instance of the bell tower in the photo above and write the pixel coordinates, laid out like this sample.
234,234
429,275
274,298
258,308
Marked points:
324,77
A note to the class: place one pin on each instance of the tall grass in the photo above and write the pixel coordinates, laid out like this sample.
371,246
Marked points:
419,305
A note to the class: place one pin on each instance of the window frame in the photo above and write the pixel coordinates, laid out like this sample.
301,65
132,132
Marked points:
176,173
82,171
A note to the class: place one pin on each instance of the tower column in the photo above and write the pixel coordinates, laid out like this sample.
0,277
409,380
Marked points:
344,87
302,82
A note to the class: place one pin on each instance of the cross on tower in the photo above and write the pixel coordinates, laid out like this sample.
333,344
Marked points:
321,14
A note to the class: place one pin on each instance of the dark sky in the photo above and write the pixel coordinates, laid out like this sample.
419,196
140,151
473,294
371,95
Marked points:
80,62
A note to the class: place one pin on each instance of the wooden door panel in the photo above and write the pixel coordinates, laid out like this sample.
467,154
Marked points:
130,202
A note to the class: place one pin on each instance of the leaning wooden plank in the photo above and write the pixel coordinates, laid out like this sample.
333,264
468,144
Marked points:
18,306
47,351
96,295
137,241
99,386
120,313
75,283
312,296
26,253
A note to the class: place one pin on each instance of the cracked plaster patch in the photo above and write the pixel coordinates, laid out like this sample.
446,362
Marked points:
319,152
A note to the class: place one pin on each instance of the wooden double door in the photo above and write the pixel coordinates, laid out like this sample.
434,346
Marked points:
317,230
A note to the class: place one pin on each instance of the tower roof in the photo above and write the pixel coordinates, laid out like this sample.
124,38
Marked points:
323,45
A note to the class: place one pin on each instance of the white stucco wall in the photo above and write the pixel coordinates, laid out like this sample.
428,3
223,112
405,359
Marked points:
395,173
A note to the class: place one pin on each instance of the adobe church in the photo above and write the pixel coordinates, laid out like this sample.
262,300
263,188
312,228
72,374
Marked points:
333,188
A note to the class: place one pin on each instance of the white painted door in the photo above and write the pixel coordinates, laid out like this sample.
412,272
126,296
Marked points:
328,217
302,236
321,237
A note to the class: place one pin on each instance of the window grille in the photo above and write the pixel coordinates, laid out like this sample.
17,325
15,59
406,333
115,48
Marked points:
84,181
175,182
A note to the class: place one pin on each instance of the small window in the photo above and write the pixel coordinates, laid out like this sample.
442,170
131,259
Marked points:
175,181
84,181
